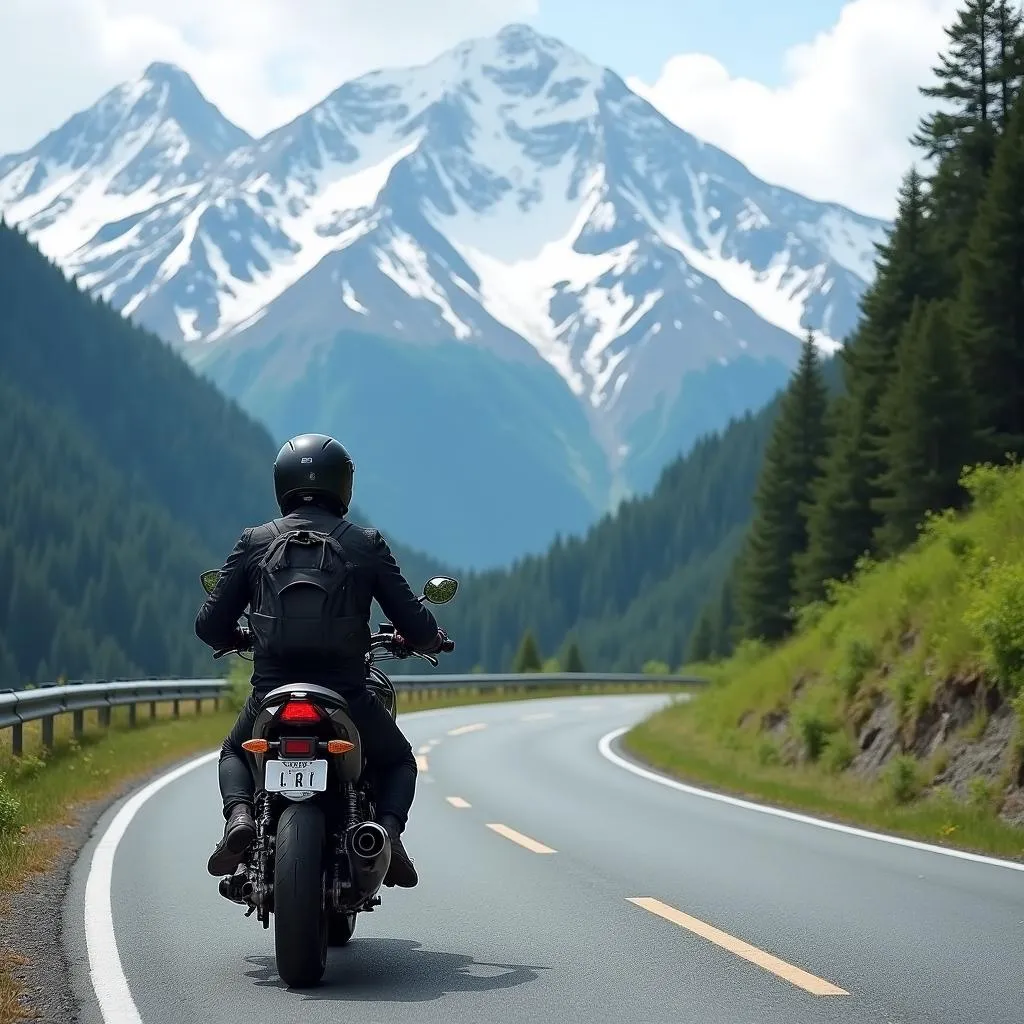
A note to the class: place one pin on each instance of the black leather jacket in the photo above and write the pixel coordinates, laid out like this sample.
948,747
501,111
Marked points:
377,576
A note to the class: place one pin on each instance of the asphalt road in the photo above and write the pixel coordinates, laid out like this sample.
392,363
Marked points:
755,918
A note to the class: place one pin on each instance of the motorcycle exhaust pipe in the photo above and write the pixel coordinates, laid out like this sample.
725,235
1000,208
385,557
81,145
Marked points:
368,840
369,856
230,890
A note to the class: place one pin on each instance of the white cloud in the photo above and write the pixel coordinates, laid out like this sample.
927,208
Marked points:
838,127
261,61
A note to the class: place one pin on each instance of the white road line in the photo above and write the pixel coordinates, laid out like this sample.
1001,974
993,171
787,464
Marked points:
108,978
605,748
463,729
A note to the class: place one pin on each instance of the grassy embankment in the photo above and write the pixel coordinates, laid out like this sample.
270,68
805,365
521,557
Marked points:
40,792
898,704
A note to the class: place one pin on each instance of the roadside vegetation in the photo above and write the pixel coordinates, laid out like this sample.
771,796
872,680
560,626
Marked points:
897,703
874,667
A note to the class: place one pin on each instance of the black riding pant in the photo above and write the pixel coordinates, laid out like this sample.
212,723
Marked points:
388,754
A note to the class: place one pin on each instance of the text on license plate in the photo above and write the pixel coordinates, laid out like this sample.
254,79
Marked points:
289,776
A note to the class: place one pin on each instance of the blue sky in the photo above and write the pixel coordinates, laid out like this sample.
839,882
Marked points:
636,37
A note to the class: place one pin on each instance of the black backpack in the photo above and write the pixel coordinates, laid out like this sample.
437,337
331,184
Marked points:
305,609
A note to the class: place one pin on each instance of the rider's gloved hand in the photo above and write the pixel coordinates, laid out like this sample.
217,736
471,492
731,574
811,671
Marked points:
446,644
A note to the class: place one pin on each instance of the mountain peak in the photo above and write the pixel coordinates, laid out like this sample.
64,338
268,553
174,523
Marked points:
520,36
164,73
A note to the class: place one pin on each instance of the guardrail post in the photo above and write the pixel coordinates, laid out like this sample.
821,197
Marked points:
104,715
48,731
177,709
78,723
131,715
17,741
199,705
152,709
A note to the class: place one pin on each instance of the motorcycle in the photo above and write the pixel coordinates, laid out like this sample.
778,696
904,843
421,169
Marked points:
319,857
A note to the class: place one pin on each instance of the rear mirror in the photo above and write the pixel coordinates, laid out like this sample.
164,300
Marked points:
209,580
440,589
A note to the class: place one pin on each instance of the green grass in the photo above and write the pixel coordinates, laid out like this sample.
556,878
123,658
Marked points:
950,610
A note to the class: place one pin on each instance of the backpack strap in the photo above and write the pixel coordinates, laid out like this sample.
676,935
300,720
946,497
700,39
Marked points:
343,526
335,535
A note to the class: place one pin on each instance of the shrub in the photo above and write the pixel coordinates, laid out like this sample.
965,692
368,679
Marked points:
984,483
903,779
859,658
813,729
27,767
10,807
656,668
810,615
983,793
995,618
840,751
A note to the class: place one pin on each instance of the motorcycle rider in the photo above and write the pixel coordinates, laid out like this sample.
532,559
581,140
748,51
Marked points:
313,477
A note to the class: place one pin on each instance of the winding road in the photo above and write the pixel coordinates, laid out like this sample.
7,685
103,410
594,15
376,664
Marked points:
557,884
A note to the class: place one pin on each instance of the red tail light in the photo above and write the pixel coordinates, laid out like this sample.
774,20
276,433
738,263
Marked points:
298,712
298,746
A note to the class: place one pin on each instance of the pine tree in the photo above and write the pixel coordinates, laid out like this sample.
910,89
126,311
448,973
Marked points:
967,82
842,519
725,619
701,646
573,660
779,531
992,301
928,418
1010,65
528,657
978,79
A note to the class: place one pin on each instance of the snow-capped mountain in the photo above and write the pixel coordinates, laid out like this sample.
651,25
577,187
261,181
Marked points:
509,198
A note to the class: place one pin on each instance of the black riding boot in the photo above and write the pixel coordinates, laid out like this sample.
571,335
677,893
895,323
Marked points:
239,832
401,871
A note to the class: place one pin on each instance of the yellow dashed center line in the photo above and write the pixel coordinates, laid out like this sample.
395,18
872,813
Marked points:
467,728
794,975
421,763
538,717
518,837
456,801
424,749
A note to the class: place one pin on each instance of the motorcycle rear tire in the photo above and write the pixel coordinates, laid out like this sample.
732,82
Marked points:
300,910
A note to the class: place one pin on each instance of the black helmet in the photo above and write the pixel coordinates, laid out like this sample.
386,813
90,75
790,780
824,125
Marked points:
313,466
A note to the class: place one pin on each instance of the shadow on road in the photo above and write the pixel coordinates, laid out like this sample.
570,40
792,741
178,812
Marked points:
397,970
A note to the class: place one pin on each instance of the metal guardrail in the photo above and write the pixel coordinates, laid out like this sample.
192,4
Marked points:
44,703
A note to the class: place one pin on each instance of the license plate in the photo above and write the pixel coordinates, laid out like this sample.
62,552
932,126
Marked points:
296,776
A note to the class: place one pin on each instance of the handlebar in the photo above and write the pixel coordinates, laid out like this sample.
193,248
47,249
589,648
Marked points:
387,641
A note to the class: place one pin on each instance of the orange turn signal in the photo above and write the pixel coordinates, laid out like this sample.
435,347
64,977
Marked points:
339,746
256,746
